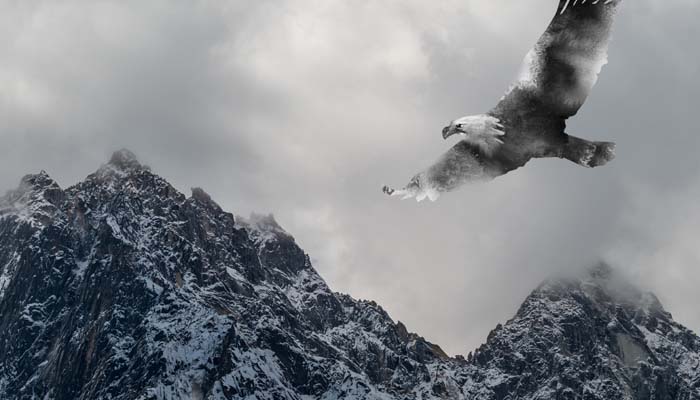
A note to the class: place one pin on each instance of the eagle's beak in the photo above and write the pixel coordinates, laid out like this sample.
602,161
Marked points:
447,132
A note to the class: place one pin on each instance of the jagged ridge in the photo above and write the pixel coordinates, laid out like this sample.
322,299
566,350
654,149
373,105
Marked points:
121,287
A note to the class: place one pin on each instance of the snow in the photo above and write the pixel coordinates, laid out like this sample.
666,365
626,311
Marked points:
81,267
116,229
4,280
235,274
151,285
306,286
194,334
688,359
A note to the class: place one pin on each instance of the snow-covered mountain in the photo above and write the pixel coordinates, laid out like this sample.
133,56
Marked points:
120,287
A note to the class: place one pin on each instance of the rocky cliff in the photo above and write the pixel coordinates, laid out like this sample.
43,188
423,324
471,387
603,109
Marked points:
121,287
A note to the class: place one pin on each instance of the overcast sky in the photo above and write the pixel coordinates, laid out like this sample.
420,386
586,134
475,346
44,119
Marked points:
304,108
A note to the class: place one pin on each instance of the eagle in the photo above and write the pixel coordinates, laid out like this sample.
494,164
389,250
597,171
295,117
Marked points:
529,121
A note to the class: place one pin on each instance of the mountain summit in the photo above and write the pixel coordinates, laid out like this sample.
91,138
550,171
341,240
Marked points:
121,287
124,159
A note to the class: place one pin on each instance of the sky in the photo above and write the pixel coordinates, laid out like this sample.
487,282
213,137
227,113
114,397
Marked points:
305,108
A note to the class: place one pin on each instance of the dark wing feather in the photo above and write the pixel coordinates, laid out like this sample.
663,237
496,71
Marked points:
560,71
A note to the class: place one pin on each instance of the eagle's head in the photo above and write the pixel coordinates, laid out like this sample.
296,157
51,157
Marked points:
484,131
452,129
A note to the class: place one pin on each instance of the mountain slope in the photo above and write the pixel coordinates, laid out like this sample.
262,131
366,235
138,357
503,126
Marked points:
120,287
593,337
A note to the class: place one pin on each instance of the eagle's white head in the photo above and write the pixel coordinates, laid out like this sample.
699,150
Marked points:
483,130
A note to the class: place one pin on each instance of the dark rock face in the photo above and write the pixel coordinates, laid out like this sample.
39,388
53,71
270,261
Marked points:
120,287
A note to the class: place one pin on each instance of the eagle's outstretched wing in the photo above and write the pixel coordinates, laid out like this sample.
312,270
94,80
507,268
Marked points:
557,77
460,164
559,72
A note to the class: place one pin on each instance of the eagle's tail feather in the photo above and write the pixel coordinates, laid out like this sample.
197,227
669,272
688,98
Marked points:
588,154
605,152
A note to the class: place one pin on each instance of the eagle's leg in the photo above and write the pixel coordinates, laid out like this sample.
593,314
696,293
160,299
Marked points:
586,153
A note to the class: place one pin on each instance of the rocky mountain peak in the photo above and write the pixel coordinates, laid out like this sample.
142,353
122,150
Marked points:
595,335
34,200
125,160
40,180
263,223
122,165
32,184
605,287
120,287
128,289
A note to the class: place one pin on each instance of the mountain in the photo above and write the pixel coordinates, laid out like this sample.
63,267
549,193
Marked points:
591,337
121,287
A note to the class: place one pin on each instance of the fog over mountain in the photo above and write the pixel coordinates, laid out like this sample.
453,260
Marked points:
305,108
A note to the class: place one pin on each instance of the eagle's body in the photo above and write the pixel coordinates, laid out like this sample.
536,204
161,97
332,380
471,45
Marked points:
530,120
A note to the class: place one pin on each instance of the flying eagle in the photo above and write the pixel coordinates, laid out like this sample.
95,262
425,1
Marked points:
530,120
